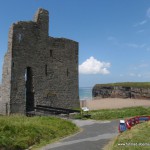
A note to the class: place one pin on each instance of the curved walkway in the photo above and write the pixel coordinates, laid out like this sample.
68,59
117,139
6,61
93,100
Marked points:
94,136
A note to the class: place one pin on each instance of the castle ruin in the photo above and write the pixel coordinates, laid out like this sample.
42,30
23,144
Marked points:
38,69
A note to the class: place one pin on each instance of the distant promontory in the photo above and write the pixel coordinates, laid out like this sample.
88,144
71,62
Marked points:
134,90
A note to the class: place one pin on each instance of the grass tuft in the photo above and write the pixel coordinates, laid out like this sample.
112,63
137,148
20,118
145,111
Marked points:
126,84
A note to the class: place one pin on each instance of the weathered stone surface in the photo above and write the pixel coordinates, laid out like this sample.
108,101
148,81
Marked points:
0,92
39,69
120,92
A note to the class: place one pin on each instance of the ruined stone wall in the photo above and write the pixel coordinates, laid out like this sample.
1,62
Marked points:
62,73
0,92
53,62
25,54
6,77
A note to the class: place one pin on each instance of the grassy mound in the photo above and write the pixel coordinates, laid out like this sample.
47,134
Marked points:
137,138
108,114
126,84
21,132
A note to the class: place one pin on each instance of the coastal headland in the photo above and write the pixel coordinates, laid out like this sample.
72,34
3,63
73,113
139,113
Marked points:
133,90
119,95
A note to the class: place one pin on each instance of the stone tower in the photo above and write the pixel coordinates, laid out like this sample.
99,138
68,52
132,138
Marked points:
38,69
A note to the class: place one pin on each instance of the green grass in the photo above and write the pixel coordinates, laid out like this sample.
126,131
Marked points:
126,84
21,132
134,139
109,114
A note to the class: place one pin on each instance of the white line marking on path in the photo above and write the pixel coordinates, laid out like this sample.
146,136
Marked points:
81,123
99,137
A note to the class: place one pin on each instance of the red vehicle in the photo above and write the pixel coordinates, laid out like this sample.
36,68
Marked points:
128,123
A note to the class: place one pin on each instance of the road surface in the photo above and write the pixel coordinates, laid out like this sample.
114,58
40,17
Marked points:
94,135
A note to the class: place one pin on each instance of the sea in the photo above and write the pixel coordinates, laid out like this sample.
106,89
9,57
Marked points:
85,93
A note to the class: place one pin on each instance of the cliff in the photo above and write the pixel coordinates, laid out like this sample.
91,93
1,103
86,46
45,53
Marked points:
122,90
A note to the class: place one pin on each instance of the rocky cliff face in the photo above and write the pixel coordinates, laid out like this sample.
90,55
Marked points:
120,92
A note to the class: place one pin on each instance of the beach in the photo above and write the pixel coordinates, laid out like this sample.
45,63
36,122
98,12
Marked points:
114,103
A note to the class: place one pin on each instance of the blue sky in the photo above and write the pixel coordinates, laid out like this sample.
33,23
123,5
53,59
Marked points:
113,35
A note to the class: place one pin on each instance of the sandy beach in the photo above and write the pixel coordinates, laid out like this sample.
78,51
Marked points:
111,103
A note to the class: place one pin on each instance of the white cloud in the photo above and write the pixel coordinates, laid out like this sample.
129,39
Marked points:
146,75
140,23
143,65
121,75
148,49
116,42
93,66
140,31
132,74
148,13
143,22
135,75
134,45
113,39
139,75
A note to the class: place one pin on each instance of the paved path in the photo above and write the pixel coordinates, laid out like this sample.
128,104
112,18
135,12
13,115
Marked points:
94,136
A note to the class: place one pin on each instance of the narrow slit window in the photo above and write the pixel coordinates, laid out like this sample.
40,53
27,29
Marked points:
13,64
51,53
67,72
46,70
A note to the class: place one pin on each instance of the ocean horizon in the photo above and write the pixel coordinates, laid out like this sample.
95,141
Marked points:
85,93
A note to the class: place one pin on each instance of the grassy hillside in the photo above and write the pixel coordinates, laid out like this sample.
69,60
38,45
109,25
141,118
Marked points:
137,138
127,84
20,132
